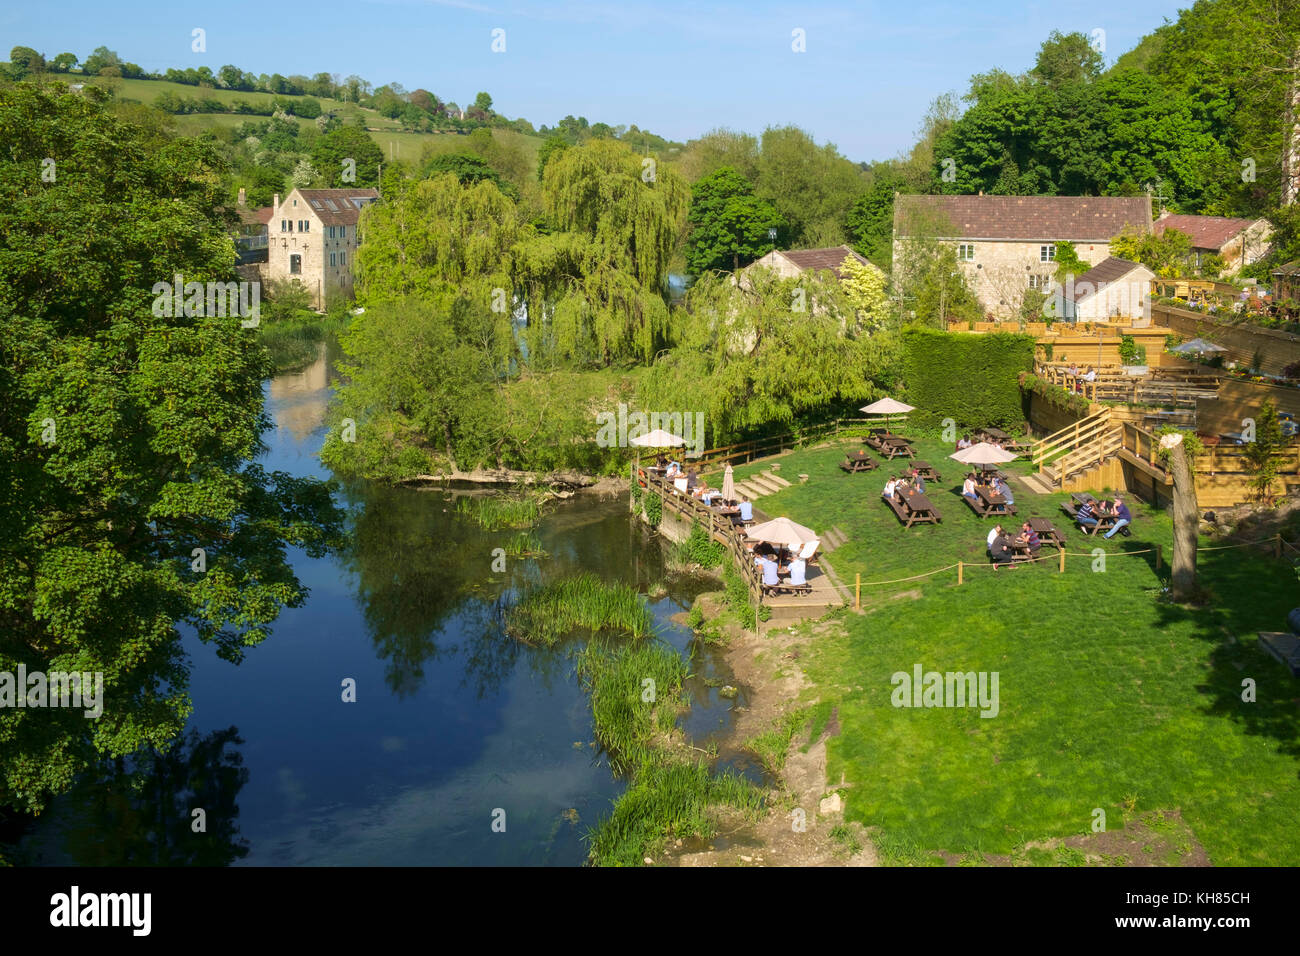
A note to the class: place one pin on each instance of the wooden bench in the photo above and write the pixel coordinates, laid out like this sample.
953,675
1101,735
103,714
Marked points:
785,587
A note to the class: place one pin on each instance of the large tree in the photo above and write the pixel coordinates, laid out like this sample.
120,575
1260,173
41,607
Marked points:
333,151
729,224
127,439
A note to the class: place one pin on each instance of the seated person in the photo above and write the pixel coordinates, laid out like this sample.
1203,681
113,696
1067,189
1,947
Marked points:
798,571
769,570
1029,539
1122,517
692,480
1004,489
968,487
1090,375
673,470
964,442
994,533
746,511
917,481
891,486
661,462
1086,518
1000,550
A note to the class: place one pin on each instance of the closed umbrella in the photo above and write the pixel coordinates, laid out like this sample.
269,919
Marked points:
984,454
728,485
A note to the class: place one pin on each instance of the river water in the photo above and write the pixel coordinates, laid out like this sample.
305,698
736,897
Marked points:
455,725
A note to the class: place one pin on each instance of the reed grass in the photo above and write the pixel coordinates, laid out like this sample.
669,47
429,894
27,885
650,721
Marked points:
502,512
524,545
547,614
636,691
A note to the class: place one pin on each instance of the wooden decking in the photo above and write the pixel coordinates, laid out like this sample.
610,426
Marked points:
825,591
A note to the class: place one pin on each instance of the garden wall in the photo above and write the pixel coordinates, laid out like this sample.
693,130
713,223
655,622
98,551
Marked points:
1241,399
1276,349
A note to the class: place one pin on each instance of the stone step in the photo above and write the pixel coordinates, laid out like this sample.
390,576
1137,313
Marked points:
764,485
775,478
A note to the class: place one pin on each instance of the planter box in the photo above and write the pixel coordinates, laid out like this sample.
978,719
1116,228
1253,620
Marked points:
1036,328
985,326
1009,327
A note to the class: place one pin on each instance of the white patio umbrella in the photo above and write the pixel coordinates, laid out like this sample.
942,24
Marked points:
655,439
728,485
782,531
1199,346
984,454
887,408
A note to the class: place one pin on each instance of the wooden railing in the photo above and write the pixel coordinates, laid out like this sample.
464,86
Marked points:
744,452
1168,388
1069,438
1084,457
1142,444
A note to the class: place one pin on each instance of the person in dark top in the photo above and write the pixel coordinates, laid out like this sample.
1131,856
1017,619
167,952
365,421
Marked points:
1123,517
1028,538
1000,549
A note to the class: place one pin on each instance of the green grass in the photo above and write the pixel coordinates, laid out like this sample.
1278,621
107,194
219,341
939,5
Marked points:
501,512
773,744
546,615
1107,693
525,544
636,692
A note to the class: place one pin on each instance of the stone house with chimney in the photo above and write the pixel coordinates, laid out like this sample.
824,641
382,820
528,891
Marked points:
1006,245
312,240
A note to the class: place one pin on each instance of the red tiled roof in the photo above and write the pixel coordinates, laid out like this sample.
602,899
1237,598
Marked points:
1207,232
337,207
830,258
1021,218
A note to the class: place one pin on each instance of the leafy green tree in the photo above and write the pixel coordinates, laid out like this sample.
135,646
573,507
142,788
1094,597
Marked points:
1262,454
99,58
1068,262
810,186
63,63
729,224
867,291
127,438
343,144
468,169
1168,255
1066,58
483,102
550,146
26,61
870,220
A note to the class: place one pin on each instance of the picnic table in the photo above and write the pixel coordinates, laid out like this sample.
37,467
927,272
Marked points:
858,461
896,447
1105,520
1048,532
913,508
926,470
989,503
988,471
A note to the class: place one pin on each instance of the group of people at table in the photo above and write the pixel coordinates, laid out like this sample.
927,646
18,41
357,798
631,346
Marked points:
994,483
897,487
1003,546
1091,512
774,561
691,483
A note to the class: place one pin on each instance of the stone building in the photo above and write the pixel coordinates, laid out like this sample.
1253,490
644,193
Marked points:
1240,242
789,263
1114,288
1007,244
313,240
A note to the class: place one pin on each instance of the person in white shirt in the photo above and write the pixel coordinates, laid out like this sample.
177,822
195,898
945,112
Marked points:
798,571
968,487
890,487
993,535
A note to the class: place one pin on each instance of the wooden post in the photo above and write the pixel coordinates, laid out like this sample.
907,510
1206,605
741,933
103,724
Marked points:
1277,545
1159,556
959,570
857,591
1062,553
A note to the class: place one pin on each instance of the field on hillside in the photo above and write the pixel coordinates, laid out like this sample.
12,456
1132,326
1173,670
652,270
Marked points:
1110,698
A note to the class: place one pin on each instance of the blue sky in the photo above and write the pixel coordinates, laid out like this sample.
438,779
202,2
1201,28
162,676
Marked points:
677,68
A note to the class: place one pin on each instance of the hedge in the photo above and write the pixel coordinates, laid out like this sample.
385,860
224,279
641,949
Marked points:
972,379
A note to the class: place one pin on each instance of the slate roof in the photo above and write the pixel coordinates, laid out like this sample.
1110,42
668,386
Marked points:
1207,232
831,257
1021,218
338,207
1109,270
254,217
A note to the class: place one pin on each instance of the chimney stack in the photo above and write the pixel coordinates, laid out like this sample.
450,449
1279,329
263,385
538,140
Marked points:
275,203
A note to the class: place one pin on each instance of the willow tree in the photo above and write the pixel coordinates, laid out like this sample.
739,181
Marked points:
766,351
601,278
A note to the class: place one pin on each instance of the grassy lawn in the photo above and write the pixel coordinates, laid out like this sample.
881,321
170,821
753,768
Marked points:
1108,697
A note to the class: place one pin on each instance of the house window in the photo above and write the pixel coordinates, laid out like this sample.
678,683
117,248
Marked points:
331,231
1047,253
295,264
343,258
306,225
1037,282
332,262
284,225
966,251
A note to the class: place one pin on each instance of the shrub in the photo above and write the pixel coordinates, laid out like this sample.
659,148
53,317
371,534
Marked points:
547,614
969,378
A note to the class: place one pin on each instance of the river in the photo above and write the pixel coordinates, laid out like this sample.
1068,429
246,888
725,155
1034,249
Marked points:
453,721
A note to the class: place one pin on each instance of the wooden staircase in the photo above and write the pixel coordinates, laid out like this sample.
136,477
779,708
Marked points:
759,485
1076,452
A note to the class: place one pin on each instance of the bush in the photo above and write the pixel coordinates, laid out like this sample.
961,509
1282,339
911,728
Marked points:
653,508
969,378
700,549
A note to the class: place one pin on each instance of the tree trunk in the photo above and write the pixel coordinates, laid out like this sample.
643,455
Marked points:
1186,521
